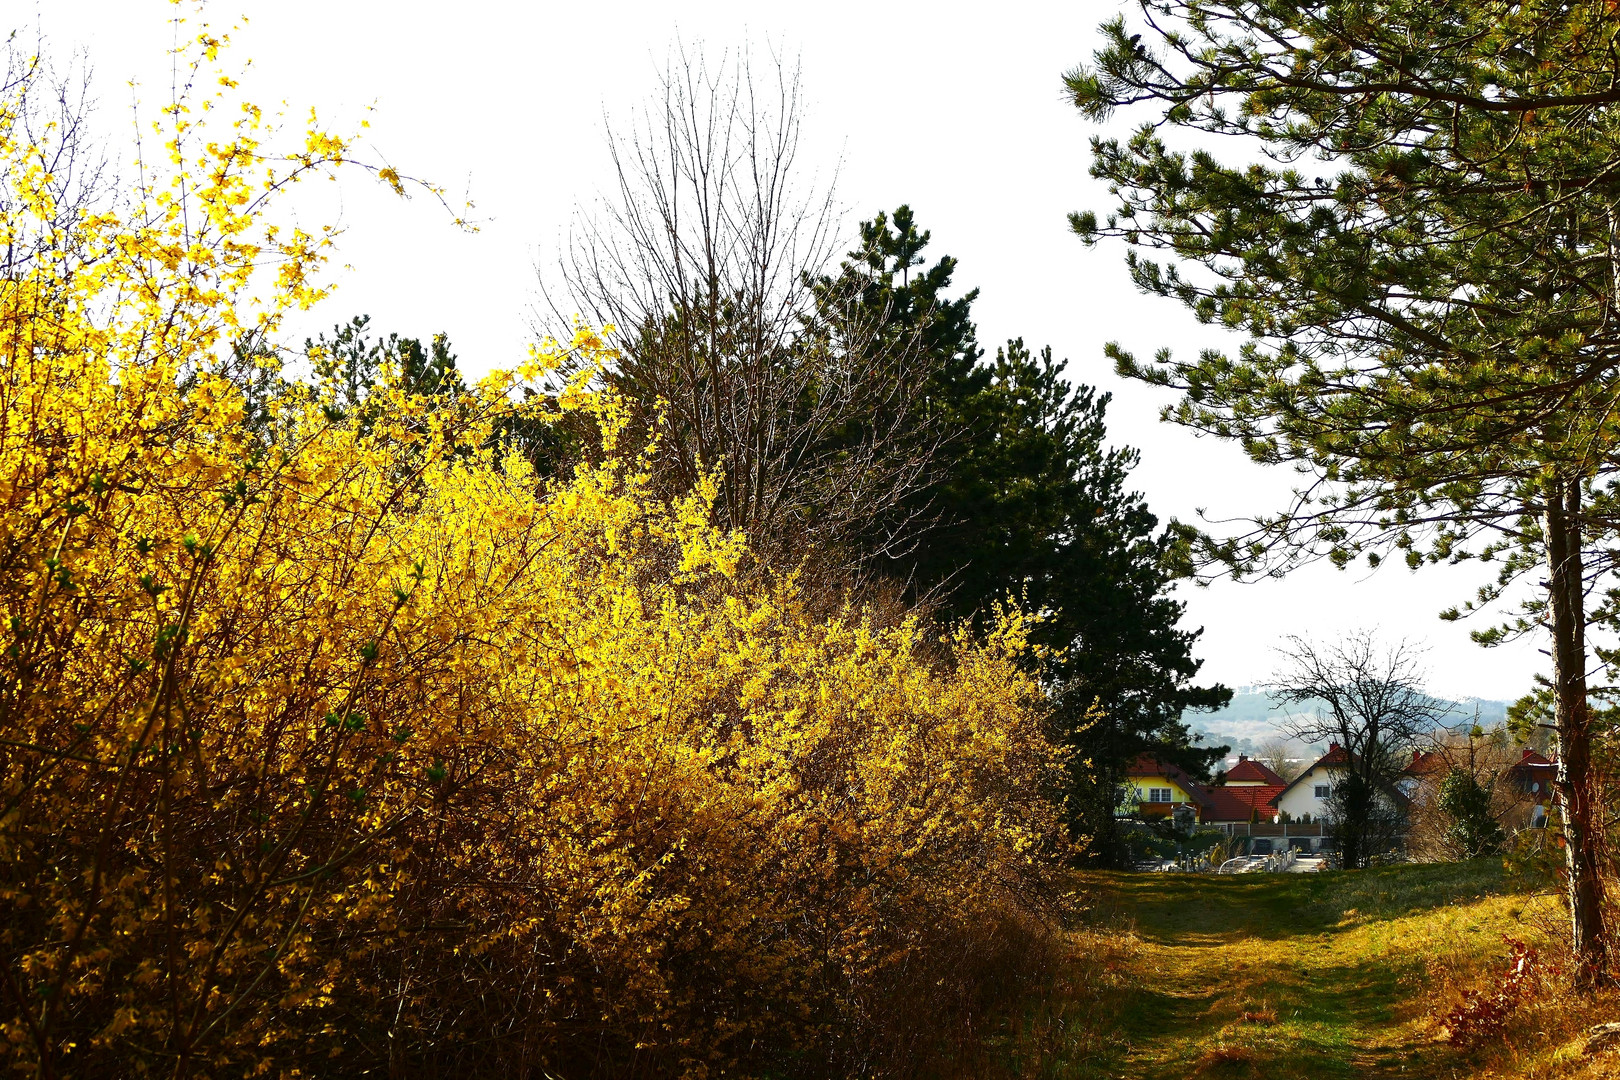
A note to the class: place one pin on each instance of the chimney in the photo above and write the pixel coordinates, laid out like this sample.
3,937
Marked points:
1416,757
1333,748
1243,757
1527,753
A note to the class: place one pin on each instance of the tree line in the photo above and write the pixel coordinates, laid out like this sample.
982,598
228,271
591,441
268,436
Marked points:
857,431
358,717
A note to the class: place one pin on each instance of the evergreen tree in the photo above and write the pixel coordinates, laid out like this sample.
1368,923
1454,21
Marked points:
349,365
1474,830
352,363
1424,258
887,295
1026,499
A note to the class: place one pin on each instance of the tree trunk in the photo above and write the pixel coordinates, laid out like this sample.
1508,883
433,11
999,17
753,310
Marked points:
1566,609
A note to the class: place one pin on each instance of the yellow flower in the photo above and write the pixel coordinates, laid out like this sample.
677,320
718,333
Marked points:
322,736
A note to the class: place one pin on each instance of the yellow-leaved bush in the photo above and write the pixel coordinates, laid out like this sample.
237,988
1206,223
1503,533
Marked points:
336,748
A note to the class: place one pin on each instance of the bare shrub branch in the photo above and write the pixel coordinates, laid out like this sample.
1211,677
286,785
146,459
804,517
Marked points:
1376,712
737,354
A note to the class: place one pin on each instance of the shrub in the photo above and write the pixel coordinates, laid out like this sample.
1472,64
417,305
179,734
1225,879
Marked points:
1484,1013
335,748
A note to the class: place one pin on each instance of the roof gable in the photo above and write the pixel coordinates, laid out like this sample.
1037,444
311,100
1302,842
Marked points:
1247,769
1337,757
1533,760
1427,763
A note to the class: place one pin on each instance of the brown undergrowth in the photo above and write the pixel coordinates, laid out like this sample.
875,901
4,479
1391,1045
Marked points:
1523,1016
1034,999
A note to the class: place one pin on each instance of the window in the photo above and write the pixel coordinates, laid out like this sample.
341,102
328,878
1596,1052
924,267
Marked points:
1159,794
1323,791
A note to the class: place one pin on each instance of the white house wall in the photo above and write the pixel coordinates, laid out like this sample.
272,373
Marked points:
1301,799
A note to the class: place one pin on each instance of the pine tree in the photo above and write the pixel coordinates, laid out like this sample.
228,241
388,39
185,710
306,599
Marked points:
1424,260
1027,500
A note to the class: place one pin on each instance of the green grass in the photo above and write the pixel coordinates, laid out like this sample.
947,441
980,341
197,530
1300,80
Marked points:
1277,977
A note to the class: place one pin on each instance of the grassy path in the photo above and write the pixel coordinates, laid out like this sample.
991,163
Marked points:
1293,975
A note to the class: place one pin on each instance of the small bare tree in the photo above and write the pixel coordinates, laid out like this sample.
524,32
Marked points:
1281,756
738,355
1376,712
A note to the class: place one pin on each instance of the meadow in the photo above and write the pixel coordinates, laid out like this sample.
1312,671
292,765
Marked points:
1284,976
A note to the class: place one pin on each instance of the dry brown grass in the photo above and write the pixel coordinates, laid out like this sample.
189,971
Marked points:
1223,1059
1547,1037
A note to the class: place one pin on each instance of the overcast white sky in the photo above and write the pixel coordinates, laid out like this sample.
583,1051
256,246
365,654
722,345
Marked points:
953,108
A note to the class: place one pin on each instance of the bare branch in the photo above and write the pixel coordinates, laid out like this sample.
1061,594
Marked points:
738,355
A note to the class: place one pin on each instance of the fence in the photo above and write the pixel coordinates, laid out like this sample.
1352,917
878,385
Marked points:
1266,828
1306,836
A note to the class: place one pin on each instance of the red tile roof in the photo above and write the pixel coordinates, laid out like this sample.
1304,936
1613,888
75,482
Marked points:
1148,765
1242,803
1336,755
1248,769
1430,763
1533,767
1427,763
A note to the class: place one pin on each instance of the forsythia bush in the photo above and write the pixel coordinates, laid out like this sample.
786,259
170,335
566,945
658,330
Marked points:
335,747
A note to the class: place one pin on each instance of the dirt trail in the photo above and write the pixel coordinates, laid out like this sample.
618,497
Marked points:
1276,976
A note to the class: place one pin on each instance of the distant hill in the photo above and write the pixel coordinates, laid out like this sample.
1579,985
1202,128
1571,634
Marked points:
1251,720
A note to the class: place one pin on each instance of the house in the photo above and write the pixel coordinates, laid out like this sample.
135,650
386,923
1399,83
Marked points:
1309,791
1250,793
1522,791
1155,788
1244,793
1251,773
1533,775
1531,778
